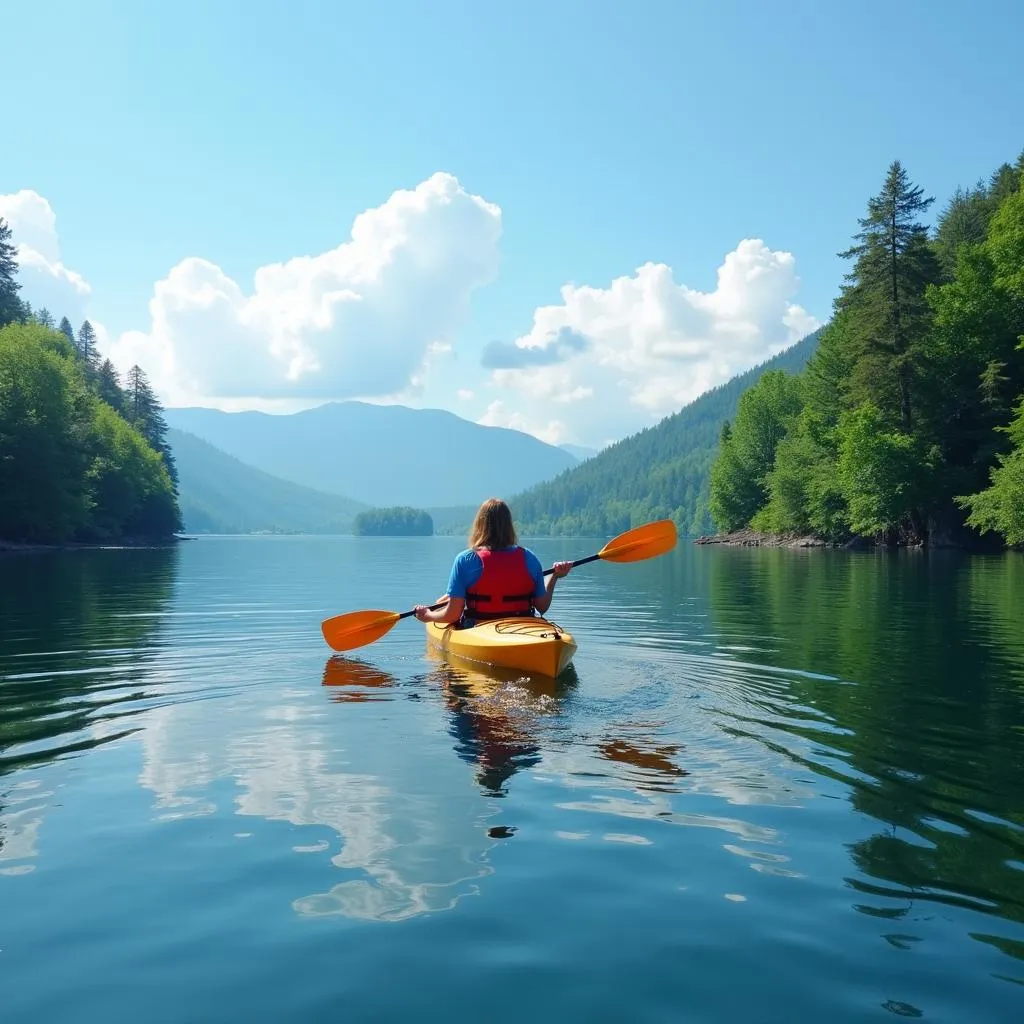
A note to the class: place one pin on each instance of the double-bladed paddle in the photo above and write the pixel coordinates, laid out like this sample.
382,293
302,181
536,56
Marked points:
357,629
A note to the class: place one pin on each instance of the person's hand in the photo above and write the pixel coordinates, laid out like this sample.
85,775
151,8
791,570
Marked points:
560,569
422,612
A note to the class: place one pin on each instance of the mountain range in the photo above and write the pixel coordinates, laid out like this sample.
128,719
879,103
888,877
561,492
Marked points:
381,455
220,494
314,471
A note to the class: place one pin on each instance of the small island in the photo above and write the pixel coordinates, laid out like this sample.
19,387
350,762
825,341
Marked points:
393,522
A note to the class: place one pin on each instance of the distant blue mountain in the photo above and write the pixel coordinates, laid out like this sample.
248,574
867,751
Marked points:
219,494
381,455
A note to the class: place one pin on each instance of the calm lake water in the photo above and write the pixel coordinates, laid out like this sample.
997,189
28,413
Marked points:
778,787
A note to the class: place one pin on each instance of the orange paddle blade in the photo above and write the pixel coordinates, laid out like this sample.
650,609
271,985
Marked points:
357,629
647,541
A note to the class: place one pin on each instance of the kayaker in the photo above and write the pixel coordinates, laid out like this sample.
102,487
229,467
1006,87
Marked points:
494,577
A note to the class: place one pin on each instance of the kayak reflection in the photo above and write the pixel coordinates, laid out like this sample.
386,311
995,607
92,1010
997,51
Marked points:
494,714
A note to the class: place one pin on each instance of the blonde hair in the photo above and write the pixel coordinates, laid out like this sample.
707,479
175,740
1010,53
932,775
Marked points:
493,527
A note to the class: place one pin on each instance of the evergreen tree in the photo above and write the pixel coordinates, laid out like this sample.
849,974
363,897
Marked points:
68,331
87,346
11,310
886,293
143,410
964,221
108,386
45,318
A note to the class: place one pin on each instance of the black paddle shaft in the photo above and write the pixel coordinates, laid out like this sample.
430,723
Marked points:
547,572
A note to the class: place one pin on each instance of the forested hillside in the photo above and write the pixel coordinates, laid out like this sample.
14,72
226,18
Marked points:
81,457
908,424
220,494
661,472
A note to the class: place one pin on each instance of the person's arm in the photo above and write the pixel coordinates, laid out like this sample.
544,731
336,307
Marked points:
466,570
542,601
451,612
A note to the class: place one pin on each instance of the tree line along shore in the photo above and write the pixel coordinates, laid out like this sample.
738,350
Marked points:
84,458
907,425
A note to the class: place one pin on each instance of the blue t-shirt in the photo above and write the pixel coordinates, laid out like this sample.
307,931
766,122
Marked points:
468,568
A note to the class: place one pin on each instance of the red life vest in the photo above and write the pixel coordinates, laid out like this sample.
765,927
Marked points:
505,586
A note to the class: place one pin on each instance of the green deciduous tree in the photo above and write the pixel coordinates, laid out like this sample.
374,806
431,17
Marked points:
735,494
740,476
881,473
44,420
975,368
1000,506
125,478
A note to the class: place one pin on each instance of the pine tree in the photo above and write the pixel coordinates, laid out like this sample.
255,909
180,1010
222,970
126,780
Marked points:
87,346
143,410
963,222
886,291
45,318
11,310
68,331
108,386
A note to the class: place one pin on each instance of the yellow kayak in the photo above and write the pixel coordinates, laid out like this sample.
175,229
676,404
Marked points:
528,644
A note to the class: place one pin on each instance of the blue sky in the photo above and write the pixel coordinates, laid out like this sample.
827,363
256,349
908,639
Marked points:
609,135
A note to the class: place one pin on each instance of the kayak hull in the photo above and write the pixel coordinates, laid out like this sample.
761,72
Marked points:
527,644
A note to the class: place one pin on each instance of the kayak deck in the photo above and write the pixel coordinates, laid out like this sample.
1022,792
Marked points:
528,644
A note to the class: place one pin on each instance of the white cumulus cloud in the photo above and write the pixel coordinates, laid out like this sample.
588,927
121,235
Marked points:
365,319
45,282
616,359
377,317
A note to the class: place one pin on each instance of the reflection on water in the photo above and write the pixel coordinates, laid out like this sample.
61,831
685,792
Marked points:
656,764
821,756
76,635
928,671
357,681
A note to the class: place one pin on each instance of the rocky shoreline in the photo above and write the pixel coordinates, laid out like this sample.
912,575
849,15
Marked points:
961,541
753,539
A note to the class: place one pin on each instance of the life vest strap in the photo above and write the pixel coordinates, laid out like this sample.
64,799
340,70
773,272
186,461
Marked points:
474,598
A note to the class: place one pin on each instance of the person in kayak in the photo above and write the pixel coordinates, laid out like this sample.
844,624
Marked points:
494,577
